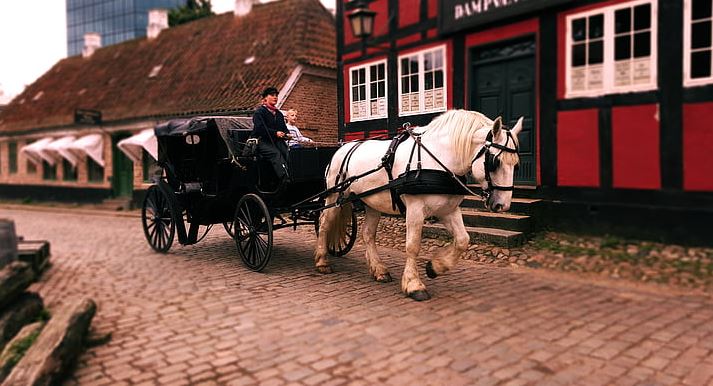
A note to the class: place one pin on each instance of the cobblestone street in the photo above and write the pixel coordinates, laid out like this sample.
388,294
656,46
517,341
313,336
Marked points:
197,316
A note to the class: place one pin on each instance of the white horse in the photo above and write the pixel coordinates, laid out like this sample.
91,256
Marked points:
457,138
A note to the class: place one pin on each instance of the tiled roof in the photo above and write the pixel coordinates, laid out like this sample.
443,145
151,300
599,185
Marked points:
198,68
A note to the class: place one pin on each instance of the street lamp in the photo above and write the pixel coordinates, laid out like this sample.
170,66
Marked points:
361,19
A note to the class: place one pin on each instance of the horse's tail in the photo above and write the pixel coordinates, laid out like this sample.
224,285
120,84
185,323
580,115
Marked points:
338,231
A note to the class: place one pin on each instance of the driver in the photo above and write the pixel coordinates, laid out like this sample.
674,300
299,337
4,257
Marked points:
269,126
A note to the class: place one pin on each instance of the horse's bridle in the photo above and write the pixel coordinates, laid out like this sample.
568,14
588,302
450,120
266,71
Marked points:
492,161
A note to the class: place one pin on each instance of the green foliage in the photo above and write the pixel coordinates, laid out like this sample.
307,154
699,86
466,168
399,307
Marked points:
18,349
194,9
43,316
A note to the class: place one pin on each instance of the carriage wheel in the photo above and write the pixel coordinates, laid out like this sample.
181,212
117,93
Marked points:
253,232
157,217
347,242
229,228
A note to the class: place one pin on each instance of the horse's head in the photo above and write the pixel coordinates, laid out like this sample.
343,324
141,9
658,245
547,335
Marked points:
495,163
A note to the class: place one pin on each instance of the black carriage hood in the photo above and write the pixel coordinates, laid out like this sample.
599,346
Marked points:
180,127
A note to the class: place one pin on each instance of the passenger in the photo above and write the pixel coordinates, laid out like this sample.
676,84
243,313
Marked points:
269,126
296,137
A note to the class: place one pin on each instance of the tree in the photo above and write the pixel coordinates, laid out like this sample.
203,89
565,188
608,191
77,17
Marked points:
194,9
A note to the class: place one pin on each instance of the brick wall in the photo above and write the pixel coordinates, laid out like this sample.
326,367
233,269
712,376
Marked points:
315,98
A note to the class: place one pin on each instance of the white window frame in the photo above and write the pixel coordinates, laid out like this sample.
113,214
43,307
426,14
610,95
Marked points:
609,63
366,67
421,81
687,26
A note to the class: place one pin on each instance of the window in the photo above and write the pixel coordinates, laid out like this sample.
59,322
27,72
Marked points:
698,34
69,173
368,91
612,50
49,172
95,172
422,82
31,167
12,157
150,167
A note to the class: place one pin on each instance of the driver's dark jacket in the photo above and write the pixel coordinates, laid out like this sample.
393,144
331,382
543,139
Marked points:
266,125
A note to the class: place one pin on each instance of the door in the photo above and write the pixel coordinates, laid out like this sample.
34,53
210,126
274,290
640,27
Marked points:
502,83
122,182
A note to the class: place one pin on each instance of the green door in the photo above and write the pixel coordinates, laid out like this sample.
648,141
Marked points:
122,182
503,83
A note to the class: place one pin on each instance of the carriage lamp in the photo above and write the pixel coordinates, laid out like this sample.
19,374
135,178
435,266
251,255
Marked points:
361,19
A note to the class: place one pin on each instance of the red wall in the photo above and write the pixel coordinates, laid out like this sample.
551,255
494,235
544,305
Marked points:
578,148
636,147
432,9
409,12
697,140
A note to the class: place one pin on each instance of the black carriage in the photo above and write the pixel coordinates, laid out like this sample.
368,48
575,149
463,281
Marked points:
211,175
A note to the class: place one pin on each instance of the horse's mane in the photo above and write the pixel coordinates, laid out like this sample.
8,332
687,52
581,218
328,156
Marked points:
460,126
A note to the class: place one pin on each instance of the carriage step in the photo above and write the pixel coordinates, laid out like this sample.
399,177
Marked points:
518,205
507,221
499,237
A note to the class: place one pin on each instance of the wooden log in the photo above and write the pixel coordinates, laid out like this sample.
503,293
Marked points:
14,278
8,242
56,347
22,311
17,347
34,252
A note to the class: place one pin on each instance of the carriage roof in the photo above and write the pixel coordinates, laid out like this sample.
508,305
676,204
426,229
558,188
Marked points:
180,127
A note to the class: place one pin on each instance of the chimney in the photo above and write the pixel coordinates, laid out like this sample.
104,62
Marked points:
243,7
158,21
92,42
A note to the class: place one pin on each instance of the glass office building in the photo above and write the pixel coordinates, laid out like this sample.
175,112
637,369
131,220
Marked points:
115,20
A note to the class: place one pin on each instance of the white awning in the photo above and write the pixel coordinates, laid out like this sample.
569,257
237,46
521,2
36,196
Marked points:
133,146
53,151
33,151
92,145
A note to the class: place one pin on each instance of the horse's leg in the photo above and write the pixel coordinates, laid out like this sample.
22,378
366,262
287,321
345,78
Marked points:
376,268
454,224
326,222
411,284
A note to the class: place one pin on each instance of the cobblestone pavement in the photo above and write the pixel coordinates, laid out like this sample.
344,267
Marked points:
197,316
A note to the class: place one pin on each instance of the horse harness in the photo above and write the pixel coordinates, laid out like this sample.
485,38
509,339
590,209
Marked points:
418,181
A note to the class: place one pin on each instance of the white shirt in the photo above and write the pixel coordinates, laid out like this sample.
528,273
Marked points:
297,136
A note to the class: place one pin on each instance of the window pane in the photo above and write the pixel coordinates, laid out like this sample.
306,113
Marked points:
362,75
373,91
596,52
372,73
701,9
404,86
642,44
439,79
701,64
381,71
438,59
701,34
355,77
414,66
382,89
68,172
596,26
362,92
414,83
578,26
578,55
428,79
428,61
622,21
404,66
622,47
642,17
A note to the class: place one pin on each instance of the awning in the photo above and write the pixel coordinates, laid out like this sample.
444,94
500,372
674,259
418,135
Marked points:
92,145
53,151
33,151
134,145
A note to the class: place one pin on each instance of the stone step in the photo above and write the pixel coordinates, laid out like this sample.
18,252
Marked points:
115,204
500,237
518,205
34,252
508,221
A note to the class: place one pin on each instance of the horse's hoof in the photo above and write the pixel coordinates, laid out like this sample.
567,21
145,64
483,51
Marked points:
419,295
430,272
385,278
324,269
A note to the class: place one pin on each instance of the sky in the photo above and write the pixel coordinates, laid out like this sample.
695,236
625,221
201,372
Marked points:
33,37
